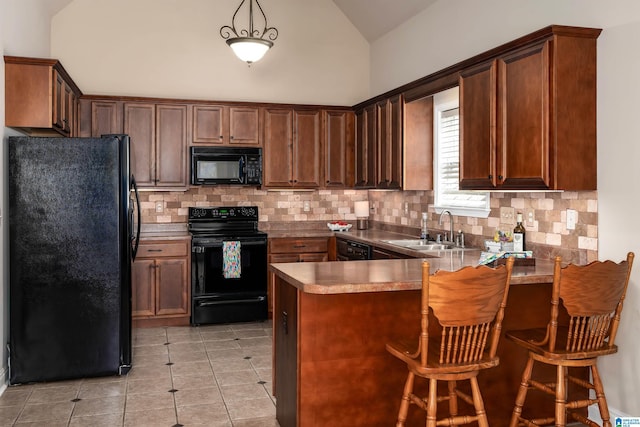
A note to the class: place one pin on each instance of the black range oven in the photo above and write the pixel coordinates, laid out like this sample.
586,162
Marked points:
228,265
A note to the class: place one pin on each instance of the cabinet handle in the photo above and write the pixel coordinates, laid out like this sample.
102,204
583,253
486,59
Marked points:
299,246
285,322
154,250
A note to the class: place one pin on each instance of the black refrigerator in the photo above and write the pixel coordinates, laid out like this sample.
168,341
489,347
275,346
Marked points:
73,223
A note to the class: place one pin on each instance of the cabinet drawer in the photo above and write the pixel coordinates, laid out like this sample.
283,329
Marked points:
155,250
310,244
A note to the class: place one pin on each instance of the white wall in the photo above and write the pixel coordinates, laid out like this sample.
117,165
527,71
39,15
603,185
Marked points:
172,48
24,31
453,30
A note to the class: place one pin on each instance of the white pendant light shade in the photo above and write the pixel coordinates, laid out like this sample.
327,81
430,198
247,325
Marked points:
252,41
249,49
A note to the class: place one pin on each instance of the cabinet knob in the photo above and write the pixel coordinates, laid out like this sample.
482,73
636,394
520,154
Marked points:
500,178
231,136
490,177
222,137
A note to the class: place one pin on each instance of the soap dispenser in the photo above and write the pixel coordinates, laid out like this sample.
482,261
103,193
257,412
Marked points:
424,233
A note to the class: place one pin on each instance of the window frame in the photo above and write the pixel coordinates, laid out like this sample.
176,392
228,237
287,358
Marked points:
445,101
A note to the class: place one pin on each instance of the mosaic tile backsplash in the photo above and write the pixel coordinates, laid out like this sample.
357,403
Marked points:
547,236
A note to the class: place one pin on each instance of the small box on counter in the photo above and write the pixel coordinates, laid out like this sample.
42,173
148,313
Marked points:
493,259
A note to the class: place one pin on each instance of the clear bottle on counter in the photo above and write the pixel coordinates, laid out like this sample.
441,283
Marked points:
424,233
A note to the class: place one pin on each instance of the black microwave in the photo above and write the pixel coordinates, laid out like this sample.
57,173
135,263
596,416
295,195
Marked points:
226,165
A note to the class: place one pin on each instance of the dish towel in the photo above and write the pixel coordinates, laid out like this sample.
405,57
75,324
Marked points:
231,260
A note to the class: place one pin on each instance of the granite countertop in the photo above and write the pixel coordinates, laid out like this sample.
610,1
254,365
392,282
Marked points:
338,277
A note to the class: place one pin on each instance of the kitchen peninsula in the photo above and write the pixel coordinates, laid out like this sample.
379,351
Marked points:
331,323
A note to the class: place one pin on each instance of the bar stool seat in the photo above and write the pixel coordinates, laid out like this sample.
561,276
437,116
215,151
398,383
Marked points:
593,297
469,306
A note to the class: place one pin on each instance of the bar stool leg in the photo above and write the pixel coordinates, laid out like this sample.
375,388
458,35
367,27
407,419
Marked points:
561,397
406,400
602,400
453,399
478,403
522,393
432,404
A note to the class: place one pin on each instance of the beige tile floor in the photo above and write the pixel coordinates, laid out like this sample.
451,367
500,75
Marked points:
213,375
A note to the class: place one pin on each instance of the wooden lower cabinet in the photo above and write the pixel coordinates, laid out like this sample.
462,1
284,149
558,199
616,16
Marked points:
291,249
331,367
160,283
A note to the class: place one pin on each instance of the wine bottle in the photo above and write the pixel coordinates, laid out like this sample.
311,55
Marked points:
519,235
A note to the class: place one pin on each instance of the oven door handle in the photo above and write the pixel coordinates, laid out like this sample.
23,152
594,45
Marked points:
230,301
200,247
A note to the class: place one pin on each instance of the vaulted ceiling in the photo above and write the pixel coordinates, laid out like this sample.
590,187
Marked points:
373,18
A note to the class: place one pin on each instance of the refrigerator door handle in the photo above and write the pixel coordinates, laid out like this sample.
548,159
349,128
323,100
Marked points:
134,250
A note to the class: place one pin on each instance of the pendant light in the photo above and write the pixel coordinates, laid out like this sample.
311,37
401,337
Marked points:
249,43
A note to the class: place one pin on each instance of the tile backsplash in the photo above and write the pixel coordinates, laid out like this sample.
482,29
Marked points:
547,237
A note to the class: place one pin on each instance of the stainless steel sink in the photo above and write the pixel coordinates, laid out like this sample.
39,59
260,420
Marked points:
423,245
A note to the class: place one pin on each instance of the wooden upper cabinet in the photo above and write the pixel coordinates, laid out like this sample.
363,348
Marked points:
100,117
418,145
379,138
528,118
171,146
278,154
339,144
226,125
292,148
158,144
365,152
478,114
140,125
389,143
307,149
40,97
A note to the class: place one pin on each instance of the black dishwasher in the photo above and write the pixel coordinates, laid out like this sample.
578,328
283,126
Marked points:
348,250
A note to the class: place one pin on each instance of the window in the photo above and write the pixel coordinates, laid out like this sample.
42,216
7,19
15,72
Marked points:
447,161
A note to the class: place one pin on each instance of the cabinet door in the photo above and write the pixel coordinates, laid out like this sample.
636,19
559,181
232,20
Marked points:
171,146
210,124
143,278
140,125
106,118
390,143
307,151
523,113
418,145
59,99
244,126
338,148
172,294
278,162
69,110
478,127
365,168
285,331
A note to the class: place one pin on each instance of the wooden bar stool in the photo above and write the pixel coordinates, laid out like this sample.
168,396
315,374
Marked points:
592,296
469,306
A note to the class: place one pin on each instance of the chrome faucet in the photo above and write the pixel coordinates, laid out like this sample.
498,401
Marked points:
442,214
